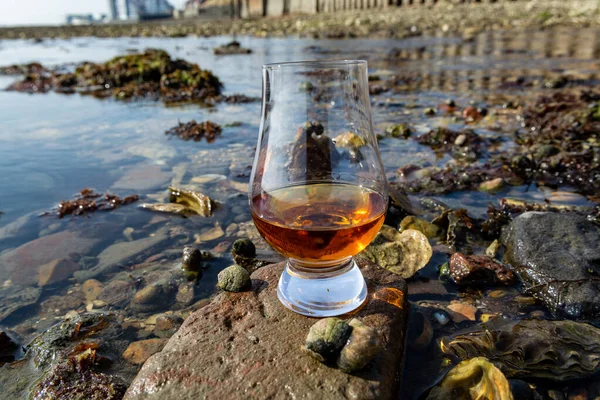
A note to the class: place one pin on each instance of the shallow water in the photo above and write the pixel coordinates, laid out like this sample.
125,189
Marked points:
53,145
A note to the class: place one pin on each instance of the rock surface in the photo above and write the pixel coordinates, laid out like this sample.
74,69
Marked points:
556,256
24,262
56,271
247,345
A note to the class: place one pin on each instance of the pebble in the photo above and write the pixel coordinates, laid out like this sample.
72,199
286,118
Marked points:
441,318
209,235
167,325
91,289
460,139
138,352
127,232
95,305
208,178
233,279
460,312
492,185
492,249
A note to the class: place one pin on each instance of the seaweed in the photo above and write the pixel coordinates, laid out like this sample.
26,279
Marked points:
87,201
196,131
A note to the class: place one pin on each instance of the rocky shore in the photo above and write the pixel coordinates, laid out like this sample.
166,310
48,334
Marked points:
394,22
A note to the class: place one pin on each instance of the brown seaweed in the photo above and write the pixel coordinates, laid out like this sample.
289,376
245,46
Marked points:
196,131
88,201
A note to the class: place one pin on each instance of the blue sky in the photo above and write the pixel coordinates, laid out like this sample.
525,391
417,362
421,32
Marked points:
52,12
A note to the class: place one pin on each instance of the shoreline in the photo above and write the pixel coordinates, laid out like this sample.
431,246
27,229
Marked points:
394,22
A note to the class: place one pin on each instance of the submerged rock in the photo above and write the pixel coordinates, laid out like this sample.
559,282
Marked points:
427,228
401,253
556,257
138,352
473,379
233,279
479,270
193,259
7,348
233,47
326,338
556,350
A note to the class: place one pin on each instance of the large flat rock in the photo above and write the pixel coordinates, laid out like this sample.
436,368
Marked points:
557,258
247,345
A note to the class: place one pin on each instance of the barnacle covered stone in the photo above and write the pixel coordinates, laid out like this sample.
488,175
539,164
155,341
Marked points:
233,279
474,379
326,338
362,346
556,350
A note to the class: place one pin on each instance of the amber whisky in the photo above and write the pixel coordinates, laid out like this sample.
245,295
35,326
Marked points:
319,222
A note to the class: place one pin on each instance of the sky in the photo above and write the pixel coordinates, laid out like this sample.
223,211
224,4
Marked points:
52,12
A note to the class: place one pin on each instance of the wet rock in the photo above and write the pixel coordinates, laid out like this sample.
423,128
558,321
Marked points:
167,325
479,270
326,338
349,140
77,378
556,257
427,228
233,47
401,253
117,293
233,279
420,331
252,332
473,379
154,296
120,253
185,293
92,289
138,352
460,312
521,390
398,131
193,259
142,178
14,297
56,271
556,350
196,131
169,208
7,348
492,186
24,262
209,235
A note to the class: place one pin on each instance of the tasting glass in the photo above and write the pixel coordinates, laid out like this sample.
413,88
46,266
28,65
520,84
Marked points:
318,193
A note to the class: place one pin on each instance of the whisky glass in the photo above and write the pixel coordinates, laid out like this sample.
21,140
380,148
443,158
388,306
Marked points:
318,193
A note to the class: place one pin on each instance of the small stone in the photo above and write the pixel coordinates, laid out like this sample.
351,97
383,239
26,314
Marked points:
460,312
95,305
479,270
138,352
420,332
349,139
460,139
208,178
487,317
492,249
91,289
233,279
363,345
326,338
491,186
209,235
117,293
537,314
441,318
398,131
56,271
243,247
167,325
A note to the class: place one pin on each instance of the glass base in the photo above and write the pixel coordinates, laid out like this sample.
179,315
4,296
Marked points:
323,292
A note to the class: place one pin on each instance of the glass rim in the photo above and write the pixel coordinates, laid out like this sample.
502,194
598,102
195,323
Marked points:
316,63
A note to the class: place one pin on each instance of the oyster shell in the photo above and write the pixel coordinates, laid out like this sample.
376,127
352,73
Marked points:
556,350
363,346
474,379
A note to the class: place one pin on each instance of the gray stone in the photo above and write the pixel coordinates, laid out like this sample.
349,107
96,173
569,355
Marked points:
15,297
248,345
119,253
556,256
